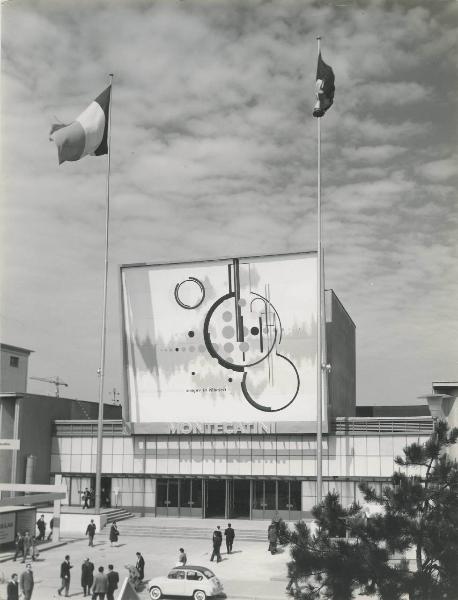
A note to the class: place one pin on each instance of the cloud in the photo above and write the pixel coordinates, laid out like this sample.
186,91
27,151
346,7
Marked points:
439,170
214,154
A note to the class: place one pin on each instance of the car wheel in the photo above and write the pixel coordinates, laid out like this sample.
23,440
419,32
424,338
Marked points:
199,595
155,593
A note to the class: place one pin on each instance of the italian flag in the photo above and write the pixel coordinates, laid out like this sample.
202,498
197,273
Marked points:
87,134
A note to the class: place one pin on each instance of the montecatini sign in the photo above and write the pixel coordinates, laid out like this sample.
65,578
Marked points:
226,428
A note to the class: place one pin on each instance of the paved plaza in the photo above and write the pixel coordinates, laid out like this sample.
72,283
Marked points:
250,572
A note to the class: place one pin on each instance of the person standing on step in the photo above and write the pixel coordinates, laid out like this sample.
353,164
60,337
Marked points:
230,535
87,576
90,532
113,580
114,533
140,566
217,541
85,496
65,576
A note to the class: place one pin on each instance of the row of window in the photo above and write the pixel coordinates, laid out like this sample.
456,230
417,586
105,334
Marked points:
297,466
184,496
160,445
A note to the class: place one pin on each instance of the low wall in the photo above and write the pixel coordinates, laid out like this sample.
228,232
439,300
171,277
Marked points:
71,523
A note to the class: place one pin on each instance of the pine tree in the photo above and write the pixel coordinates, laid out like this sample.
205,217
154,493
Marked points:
420,511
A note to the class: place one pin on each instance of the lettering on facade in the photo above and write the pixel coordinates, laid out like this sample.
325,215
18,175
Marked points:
224,428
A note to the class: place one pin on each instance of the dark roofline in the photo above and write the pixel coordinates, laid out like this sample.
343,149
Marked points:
15,348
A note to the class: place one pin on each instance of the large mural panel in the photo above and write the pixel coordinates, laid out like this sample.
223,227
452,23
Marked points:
221,341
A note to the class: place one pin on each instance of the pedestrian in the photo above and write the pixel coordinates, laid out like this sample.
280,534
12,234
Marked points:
12,589
140,566
217,541
85,496
272,537
113,580
41,526
230,535
90,532
65,575
182,558
100,585
33,548
51,527
19,545
26,582
87,576
27,545
114,533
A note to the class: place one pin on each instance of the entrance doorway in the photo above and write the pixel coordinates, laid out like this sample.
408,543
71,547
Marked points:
239,499
215,498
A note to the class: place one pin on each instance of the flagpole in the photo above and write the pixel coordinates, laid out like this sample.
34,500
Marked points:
319,428
101,370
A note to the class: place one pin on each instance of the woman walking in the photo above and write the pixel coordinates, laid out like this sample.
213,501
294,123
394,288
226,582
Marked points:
114,533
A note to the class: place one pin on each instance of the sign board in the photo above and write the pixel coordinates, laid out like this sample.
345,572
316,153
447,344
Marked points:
9,444
226,341
7,527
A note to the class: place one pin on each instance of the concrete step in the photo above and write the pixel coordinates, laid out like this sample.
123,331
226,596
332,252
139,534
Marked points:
118,514
192,533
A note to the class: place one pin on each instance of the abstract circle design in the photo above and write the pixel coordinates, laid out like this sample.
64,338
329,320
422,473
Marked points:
227,316
189,293
228,347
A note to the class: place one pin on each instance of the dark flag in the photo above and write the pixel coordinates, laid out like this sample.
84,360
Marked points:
324,88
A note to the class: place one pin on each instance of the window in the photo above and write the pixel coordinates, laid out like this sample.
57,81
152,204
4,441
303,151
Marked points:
193,576
14,361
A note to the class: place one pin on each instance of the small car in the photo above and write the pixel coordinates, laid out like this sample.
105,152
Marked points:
191,580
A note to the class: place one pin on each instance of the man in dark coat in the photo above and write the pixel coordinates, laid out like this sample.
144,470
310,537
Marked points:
87,576
230,535
51,527
12,589
113,580
19,544
41,526
27,542
26,582
86,496
140,566
90,532
217,541
65,576
272,537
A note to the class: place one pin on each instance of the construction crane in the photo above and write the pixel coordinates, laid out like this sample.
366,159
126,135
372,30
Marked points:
54,380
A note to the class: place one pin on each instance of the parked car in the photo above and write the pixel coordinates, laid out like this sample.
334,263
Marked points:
193,581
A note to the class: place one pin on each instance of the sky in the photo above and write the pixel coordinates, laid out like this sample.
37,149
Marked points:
214,154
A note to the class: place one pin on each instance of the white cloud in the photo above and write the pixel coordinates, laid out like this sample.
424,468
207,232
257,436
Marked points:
214,153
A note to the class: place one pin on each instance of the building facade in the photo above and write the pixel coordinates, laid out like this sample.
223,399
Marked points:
232,476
